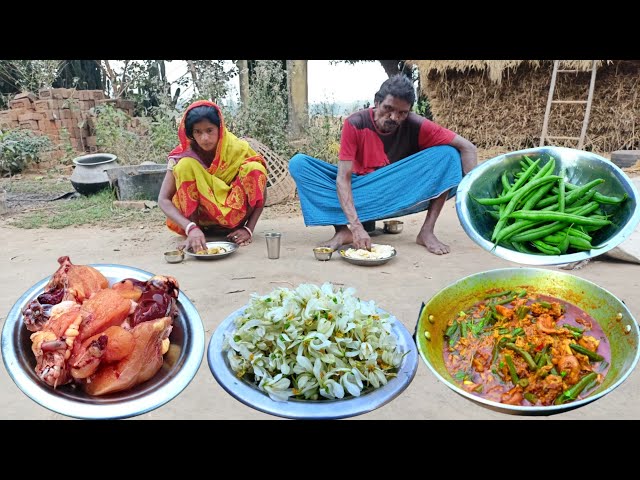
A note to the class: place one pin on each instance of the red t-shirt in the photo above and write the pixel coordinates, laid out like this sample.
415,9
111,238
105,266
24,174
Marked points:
369,149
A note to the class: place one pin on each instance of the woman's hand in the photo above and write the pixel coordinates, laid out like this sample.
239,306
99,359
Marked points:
241,236
195,241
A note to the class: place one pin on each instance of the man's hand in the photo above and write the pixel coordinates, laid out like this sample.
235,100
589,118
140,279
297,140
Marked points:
361,238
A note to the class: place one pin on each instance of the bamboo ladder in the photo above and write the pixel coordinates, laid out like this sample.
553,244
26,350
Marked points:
545,134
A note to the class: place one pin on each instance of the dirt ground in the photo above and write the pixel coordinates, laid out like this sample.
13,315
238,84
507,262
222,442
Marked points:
217,288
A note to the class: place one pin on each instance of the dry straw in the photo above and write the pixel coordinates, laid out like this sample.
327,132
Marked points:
501,104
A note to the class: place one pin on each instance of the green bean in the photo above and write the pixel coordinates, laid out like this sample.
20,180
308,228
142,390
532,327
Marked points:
511,206
463,329
585,351
580,243
452,329
610,200
545,247
517,331
542,361
524,354
578,233
573,195
505,182
499,294
525,176
505,300
512,369
574,391
561,193
530,397
559,217
521,248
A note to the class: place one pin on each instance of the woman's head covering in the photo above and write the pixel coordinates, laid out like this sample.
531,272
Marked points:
185,143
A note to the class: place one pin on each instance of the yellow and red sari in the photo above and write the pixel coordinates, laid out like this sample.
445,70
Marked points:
221,194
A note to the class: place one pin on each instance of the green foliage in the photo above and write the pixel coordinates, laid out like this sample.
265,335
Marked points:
211,79
19,148
265,116
31,75
132,147
423,107
322,137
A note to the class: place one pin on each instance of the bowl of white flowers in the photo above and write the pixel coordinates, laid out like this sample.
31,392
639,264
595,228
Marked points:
312,352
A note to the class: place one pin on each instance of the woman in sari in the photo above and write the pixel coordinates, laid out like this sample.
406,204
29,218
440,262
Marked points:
215,182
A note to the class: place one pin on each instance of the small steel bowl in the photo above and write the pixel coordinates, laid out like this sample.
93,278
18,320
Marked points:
322,253
393,226
174,256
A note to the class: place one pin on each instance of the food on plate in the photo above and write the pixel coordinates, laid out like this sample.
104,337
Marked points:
518,348
377,252
103,339
312,343
212,251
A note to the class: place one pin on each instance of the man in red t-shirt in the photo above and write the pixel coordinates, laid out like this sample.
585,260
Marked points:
393,162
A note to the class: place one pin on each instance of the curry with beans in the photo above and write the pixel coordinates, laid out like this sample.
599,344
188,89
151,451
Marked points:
522,349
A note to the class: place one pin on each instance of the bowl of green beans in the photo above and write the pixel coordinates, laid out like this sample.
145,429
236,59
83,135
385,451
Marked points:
547,205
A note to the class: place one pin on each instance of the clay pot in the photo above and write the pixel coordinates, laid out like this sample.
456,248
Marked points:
89,175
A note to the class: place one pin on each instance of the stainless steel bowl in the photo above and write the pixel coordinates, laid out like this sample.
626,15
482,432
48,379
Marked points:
581,167
393,226
622,332
322,253
247,392
181,362
174,256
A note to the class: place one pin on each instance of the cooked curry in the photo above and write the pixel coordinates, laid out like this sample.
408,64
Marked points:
522,349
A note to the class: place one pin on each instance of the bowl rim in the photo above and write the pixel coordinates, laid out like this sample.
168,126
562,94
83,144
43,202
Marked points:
59,403
541,260
519,409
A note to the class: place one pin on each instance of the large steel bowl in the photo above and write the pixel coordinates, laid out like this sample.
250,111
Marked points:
180,365
601,304
581,167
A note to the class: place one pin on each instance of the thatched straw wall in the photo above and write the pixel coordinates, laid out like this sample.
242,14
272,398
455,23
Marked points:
502,104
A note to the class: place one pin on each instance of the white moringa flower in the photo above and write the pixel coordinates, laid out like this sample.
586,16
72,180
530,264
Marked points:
313,342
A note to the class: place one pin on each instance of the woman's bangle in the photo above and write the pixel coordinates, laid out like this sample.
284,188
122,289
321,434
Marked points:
190,227
248,230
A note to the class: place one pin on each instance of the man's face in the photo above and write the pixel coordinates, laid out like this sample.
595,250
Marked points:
390,113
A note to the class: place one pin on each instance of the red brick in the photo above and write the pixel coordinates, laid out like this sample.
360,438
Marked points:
21,103
97,94
44,93
26,95
29,125
42,105
25,117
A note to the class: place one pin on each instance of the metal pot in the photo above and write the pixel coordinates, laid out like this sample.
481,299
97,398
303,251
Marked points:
602,305
89,175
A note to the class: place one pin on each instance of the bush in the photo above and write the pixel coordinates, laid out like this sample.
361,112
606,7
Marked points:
265,116
322,137
151,141
19,148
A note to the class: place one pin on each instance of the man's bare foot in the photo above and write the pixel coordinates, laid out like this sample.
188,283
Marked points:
342,237
432,243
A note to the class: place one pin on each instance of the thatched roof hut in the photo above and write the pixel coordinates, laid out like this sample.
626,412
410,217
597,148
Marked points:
502,103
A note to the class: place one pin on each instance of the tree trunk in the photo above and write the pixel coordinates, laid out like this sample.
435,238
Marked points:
298,96
243,69
391,67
